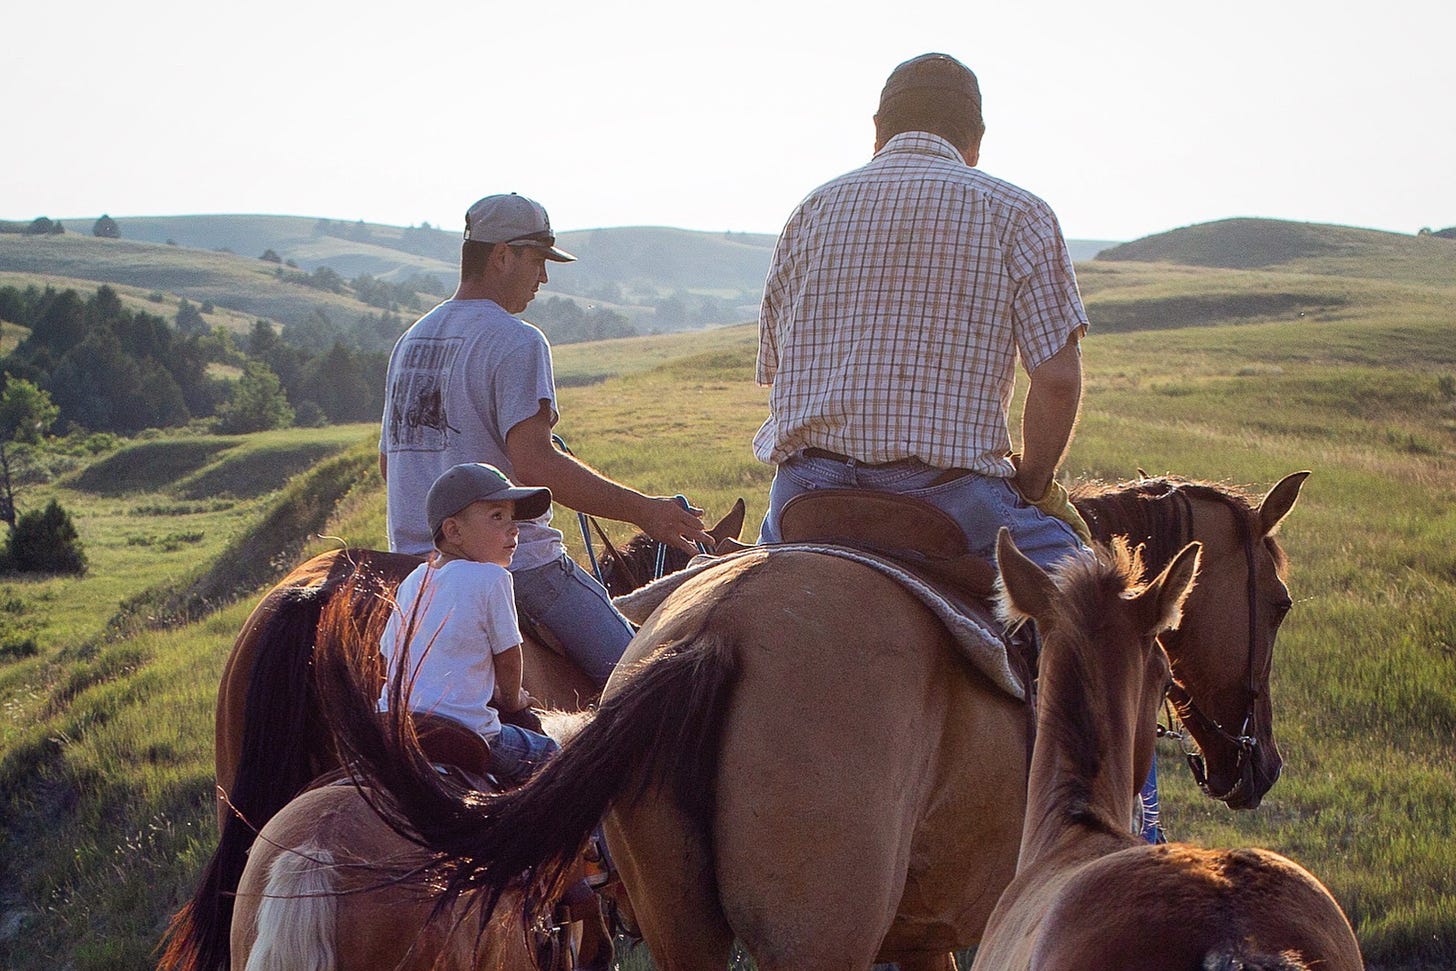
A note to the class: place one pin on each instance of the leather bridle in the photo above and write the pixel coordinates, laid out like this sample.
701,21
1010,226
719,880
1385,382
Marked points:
1198,722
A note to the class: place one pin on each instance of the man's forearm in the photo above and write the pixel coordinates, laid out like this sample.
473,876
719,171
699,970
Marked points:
1052,404
573,484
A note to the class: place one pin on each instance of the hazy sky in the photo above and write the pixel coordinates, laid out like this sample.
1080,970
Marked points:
1129,118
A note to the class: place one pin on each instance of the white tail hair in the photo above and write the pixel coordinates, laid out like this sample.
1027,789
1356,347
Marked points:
296,917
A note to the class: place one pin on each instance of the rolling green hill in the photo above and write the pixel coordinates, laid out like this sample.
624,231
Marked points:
659,279
1266,270
245,289
1249,244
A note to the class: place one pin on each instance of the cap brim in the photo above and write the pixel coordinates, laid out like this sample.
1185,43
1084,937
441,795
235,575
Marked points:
552,253
530,503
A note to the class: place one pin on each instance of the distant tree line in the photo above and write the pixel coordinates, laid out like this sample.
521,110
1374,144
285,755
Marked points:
105,227
107,368
111,369
567,322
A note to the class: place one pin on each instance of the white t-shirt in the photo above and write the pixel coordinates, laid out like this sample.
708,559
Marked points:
459,380
463,614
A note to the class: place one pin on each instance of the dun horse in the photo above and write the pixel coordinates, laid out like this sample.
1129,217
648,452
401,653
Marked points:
1179,908
792,754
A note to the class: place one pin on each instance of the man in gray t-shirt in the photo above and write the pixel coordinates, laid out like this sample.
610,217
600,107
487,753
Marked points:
470,382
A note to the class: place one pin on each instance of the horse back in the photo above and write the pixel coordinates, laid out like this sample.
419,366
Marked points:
327,859
1178,907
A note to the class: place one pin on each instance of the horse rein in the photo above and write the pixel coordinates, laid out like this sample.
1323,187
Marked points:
1182,701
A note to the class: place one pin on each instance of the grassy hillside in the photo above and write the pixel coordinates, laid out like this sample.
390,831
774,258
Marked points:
107,681
246,289
1299,247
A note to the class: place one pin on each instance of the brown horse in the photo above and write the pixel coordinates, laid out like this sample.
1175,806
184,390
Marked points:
1179,908
329,884
271,739
792,754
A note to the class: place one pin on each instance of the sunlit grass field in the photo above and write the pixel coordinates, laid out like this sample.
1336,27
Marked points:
106,736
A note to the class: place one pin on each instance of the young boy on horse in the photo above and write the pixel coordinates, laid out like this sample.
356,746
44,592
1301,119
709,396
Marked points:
458,611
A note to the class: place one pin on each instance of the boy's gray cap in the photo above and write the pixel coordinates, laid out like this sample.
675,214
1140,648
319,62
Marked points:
515,220
474,481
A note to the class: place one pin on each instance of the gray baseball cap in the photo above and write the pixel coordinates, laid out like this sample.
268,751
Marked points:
515,220
471,482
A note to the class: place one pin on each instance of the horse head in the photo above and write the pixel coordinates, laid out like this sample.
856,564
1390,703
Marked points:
1222,653
1100,625
643,559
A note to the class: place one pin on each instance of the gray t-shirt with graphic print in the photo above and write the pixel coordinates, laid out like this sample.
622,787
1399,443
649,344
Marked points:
459,380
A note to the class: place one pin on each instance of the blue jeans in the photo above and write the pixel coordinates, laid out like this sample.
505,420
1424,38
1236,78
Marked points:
568,602
1152,826
981,504
516,753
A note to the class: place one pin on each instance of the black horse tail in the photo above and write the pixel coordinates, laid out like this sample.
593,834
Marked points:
280,756
664,726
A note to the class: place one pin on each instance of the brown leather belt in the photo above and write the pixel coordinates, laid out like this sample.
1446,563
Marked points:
821,453
948,475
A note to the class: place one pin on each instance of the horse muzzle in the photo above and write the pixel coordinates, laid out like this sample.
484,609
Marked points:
1241,780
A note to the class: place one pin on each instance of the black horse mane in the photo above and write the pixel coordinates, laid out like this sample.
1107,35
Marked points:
1156,513
635,564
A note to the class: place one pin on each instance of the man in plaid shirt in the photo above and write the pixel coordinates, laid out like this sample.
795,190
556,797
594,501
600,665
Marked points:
899,299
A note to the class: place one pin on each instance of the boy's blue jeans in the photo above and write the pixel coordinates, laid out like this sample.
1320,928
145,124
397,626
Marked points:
516,753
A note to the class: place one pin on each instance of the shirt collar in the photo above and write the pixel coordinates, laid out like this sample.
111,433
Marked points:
920,143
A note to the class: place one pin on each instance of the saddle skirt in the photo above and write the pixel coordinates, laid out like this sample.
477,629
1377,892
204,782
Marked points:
972,626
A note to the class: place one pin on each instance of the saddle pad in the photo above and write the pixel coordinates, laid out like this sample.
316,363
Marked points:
976,636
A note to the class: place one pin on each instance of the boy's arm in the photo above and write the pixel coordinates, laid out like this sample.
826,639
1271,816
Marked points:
509,694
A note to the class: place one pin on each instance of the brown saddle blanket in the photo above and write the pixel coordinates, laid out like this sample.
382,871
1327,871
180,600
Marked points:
922,539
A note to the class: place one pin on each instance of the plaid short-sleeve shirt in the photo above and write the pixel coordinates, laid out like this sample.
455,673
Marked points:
899,298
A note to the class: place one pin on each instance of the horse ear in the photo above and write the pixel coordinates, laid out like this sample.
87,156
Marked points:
731,525
1161,602
1276,505
1026,590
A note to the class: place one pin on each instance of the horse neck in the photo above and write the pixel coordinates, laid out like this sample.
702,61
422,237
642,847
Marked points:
641,555
1083,783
